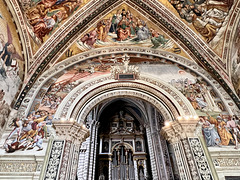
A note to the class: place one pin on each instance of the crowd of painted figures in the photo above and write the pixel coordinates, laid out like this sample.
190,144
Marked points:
27,133
221,131
127,27
31,131
44,15
199,95
206,16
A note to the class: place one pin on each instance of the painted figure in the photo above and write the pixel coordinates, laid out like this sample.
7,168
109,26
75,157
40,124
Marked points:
231,125
211,136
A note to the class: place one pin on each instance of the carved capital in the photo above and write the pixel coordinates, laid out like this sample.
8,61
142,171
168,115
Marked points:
189,127
179,130
71,131
169,134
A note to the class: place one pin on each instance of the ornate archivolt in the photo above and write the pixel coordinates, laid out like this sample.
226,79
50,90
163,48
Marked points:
230,39
75,26
82,99
59,69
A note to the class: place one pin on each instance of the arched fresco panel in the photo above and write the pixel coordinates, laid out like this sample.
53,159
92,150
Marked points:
11,63
208,18
124,26
44,17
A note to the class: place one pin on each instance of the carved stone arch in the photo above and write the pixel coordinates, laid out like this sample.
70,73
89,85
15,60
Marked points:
95,53
230,39
86,96
158,13
122,144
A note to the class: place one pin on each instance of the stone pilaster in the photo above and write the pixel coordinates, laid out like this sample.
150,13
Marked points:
63,159
190,156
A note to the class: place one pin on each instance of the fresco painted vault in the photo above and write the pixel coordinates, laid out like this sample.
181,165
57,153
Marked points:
164,15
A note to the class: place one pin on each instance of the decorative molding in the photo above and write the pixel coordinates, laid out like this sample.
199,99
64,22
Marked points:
18,166
200,158
82,106
65,158
54,160
190,159
179,161
227,162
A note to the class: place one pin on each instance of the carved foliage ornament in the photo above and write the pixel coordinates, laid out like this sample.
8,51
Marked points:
200,159
54,159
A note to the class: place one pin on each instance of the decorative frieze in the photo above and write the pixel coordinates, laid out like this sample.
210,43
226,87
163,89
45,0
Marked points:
18,166
227,162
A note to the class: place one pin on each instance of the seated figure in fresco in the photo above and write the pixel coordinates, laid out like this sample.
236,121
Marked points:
47,13
103,28
193,101
116,18
211,136
43,26
206,16
124,30
157,39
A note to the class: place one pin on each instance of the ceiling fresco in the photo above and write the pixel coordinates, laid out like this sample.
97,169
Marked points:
44,17
207,18
92,33
11,63
235,56
124,26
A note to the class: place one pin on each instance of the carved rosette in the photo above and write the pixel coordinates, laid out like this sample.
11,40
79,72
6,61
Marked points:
71,131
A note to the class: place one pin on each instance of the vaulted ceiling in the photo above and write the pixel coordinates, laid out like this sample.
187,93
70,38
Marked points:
204,31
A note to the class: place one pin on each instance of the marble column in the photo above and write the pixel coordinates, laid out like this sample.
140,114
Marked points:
62,158
191,159
135,168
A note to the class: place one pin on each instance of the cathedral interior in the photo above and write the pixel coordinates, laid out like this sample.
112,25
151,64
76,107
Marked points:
120,89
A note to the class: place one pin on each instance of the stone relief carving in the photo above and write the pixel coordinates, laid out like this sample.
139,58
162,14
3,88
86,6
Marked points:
226,162
200,158
124,68
71,131
17,166
54,159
